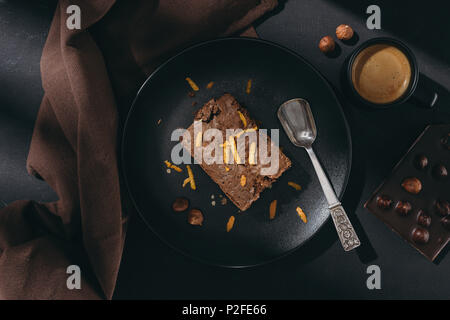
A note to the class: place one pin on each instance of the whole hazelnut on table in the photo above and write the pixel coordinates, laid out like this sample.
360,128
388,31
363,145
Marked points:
412,185
384,202
403,207
326,44
344,32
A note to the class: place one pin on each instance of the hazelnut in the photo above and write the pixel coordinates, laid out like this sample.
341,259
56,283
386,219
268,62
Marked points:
443,207
195,217
412,185
423,219
446,222
344,32
384,202
326,44
440,171
180,204
403,207
420,235
421,162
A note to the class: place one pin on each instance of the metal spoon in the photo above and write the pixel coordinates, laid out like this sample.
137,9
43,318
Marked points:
297,120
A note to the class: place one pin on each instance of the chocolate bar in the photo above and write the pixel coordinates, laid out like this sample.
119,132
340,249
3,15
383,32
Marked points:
414,200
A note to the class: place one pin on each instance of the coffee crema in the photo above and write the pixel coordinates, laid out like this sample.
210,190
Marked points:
381,73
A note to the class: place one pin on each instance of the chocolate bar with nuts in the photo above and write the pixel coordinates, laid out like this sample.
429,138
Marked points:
414,200
239,175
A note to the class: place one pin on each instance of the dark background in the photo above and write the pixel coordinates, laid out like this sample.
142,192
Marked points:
321,269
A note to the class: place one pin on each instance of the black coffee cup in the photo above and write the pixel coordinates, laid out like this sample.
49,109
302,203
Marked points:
417,90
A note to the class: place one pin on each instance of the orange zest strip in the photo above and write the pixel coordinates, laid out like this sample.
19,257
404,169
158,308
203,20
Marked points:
225,152
192,84
295,185
234,151
244,131
172,166
176,168
302,215
240,134
186,181
249,86
191,177
243,180
273,209
210,85
244,121
230,223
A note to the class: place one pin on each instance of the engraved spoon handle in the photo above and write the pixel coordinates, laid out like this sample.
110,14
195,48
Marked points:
344,228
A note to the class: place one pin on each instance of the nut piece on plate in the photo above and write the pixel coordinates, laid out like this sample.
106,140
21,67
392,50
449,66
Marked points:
423,219
412,185
195,217
344,32
180,204
384,202
403,207
326,44
420,235
443,208
421,162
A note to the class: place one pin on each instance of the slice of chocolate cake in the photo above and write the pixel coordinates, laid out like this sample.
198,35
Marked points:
238,169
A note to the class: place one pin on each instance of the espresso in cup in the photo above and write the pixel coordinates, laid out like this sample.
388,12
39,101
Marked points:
381,73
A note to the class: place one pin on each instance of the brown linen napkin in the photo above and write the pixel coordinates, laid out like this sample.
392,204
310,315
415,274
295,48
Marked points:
90,77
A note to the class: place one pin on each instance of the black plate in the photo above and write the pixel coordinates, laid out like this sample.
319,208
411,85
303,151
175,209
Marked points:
278,75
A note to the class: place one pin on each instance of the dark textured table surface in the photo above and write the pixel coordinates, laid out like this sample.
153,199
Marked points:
321,269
